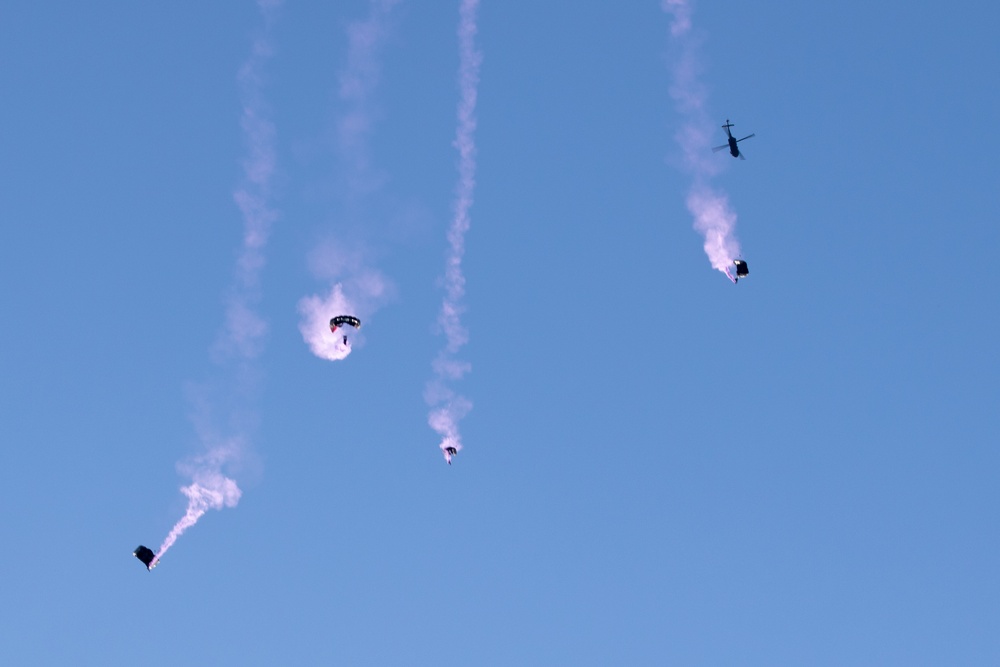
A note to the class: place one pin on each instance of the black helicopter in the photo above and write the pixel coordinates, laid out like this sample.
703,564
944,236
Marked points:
733,149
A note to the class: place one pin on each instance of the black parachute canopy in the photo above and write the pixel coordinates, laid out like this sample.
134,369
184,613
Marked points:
146,555
742,270
341,320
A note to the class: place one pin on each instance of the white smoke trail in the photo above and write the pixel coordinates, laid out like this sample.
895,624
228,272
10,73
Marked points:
209,490
358,81
316,313
448,408
355,290
713,216
716,221
369,290
243,332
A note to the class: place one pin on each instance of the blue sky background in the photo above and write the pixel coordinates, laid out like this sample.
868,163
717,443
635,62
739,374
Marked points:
659,468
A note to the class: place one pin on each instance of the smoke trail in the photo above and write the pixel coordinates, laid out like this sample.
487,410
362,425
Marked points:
716,221
448,408
244,329
316,312
356,289
210,490
713,216
369,289
241,339
357,83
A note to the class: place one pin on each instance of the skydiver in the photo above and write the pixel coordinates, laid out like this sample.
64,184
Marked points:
345,340
742,270
146,555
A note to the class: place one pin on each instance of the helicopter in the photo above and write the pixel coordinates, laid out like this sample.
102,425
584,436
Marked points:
733,149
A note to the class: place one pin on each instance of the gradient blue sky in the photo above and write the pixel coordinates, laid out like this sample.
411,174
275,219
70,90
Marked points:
660,468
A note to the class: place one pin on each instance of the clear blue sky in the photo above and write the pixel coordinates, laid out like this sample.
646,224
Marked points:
660,468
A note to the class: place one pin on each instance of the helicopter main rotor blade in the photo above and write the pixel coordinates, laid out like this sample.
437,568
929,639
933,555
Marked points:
719,148
746,137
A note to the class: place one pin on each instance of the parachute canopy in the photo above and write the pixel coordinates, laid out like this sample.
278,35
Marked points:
742,271
341,320
146,555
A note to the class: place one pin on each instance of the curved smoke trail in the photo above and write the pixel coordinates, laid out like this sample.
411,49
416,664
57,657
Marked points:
241,339
448,408
714,218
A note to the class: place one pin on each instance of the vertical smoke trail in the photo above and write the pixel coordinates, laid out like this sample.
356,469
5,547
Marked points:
713,216
355,290
358,81
448,408
244,329
241,339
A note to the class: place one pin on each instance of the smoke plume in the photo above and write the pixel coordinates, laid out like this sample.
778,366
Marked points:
368,288
358,82
210,490
242,336
714,219
355,288
448,407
